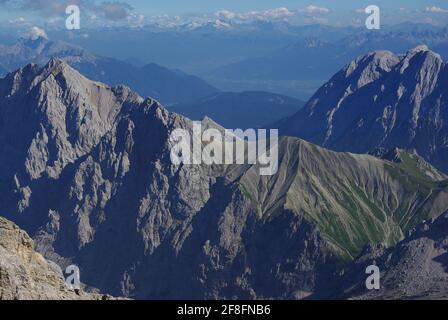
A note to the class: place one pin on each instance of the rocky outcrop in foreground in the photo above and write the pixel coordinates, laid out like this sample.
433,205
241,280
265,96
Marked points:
26,275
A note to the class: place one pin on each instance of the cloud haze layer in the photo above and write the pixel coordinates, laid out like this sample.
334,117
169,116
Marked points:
97,13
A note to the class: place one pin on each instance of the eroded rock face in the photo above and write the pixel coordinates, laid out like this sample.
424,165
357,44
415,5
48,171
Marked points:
90,178
26,275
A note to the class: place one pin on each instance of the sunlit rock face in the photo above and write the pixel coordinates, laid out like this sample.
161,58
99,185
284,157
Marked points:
381,101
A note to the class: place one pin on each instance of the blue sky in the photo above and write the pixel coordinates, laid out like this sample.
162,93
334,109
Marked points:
43,12
204,6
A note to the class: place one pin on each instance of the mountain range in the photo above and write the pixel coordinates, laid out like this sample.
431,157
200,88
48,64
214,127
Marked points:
89,177
149,80
182,93
199,47
317,58
378,102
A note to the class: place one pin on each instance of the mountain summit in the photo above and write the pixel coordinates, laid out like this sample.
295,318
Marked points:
381,100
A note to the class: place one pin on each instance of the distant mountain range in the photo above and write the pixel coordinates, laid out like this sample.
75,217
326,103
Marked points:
317,58
381,101
183,93
86,171
199,47
244,110
149,80
293,60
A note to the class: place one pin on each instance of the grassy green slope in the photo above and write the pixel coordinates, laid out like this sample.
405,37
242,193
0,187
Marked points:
353,199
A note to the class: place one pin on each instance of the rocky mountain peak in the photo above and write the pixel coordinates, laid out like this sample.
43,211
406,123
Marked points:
70,114
381,100
32,75
368,68
375,62
55,64
421,59
56,67
58,72
418,49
